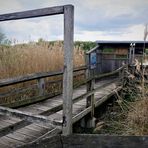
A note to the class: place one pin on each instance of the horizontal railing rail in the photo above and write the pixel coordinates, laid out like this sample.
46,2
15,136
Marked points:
30,77
35,91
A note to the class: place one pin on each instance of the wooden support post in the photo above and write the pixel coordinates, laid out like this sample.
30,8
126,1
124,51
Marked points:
130,55
68,69
90,86
41,86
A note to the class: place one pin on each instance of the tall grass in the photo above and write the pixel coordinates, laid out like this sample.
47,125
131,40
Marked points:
35,57
138,118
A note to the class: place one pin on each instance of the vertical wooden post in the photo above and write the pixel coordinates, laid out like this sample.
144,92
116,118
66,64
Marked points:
90,85
68,69
41,86
130,54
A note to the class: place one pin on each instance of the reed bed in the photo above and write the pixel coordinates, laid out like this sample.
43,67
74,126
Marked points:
35,57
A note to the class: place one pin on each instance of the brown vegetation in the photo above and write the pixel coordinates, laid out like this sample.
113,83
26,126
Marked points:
129,114
35,57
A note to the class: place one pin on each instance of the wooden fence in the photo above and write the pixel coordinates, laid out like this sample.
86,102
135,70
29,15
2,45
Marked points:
68,11
35,87
67,85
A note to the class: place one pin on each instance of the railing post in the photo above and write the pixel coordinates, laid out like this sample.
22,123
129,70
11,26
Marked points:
90,86
41,86
68,69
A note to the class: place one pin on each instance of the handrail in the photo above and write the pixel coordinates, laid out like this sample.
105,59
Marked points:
93,49
30,77
109,73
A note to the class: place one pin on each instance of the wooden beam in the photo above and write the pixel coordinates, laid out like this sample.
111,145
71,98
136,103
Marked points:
68,69
81,114
39,119
30,100
92,50
20,124
109,73
98,103
30,77
32,13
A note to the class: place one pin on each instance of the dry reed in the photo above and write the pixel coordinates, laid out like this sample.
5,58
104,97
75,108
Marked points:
34,57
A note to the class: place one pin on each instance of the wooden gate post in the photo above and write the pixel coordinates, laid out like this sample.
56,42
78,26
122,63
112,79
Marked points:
68,69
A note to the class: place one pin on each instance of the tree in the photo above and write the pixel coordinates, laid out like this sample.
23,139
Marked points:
3,39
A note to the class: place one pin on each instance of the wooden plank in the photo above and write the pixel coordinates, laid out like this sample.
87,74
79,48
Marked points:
51,110
68,66
81,114
93,91
24,131
30,77
20,137
32,13
109,73
17,125
32,130
31,109
92,50
104,98
100,141
9,142
12,127
29,100
27,116
18,91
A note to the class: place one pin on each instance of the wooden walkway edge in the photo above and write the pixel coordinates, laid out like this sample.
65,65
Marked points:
24,132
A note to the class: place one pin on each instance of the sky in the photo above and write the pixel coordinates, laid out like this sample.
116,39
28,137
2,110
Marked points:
93,20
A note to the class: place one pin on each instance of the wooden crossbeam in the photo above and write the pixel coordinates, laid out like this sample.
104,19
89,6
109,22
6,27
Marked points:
48,112
39,119
33,13
99,102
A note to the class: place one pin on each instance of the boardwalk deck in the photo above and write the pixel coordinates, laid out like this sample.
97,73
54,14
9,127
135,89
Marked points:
52,108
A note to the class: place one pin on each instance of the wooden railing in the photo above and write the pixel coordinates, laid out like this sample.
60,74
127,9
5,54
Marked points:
67,85
68,12
42,87
89,95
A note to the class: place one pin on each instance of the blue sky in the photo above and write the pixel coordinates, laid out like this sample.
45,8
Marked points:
94,20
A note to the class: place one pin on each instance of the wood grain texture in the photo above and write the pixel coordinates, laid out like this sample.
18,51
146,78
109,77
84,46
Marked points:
32,13
68,69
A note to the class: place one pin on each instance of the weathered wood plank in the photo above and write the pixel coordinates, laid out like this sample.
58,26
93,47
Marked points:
32,13
9,142
55,107
99,141
68,66
18,91
30,77
27,116
92,50
30,100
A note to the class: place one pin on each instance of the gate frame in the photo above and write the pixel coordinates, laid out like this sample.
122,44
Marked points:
68,11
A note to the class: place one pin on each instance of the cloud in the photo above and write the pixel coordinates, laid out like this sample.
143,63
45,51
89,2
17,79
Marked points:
8,6
104,19
131,33
26,30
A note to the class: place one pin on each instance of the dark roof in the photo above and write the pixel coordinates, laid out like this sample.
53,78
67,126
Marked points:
124,43
117,42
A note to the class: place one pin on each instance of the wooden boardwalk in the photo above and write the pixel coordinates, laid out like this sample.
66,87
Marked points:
52,108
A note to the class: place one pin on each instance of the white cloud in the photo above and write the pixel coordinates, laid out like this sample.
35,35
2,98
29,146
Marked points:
8,6
29,30
94,20
131,33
